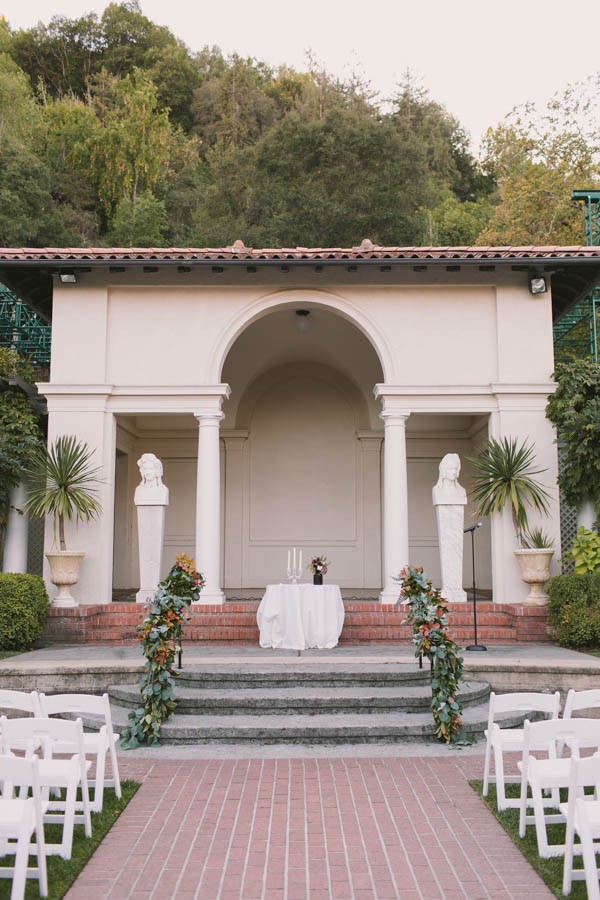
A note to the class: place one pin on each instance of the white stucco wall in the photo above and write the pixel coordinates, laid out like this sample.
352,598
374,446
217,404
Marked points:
469,344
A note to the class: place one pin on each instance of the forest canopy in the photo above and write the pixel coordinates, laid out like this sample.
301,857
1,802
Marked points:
113,132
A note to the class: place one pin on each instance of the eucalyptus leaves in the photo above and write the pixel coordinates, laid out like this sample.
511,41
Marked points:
160,633
427,614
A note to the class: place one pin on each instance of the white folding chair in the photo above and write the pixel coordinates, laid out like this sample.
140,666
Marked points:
95,743
69,773
21,701
510,740
581,700
587,825
20,818
583,773
551,773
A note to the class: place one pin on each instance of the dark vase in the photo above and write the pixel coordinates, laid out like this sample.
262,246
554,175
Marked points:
318,578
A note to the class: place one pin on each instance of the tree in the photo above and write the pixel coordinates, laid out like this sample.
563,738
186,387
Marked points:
233,106
68,129
317,182
538,158
574,409
59,56
454,223
138,223
130,151
20,434
449,162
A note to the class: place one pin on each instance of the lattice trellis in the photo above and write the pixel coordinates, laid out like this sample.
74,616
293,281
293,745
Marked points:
568,518
35,547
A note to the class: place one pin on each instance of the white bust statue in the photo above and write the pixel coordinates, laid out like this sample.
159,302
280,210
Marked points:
151,489
447,491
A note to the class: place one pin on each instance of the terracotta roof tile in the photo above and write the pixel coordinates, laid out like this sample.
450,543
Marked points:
240,252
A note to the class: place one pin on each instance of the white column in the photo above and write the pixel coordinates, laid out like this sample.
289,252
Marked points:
235,442
208,506
395,503
17,532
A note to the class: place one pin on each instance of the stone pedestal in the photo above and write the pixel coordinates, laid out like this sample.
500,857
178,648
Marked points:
151,500
449,499
450,523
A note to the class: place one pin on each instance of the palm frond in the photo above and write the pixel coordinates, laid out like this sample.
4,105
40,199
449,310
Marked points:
67,483
505,473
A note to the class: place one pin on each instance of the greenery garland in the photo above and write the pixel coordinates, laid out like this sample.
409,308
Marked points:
160,635
427,612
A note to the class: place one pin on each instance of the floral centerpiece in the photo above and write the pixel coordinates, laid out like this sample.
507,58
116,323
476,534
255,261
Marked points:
160,635
318,567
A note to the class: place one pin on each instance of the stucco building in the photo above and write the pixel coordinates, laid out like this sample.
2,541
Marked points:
298,398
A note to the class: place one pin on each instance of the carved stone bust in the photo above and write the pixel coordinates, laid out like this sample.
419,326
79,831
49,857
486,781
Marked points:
447,491
151,489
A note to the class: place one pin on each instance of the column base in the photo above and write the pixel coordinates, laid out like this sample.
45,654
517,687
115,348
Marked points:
208,598
390,597
144,596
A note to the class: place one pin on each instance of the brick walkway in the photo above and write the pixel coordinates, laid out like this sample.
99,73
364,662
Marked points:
306,829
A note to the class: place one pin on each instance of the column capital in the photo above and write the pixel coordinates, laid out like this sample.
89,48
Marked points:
209,417
234,438
392,417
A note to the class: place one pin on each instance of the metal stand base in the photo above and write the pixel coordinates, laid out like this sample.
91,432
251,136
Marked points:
475,647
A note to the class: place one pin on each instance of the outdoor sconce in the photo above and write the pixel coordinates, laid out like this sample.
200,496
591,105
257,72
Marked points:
68,278
302,323
537,284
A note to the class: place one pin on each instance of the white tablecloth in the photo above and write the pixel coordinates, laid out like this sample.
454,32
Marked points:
300,616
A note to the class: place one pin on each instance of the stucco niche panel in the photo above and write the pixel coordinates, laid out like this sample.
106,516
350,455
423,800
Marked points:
302,464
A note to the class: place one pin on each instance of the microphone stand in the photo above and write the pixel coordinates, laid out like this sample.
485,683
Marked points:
472,531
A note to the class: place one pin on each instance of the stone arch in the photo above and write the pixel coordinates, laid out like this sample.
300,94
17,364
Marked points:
305,298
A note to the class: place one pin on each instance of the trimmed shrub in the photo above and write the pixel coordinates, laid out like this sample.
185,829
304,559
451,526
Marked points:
574,609
23,610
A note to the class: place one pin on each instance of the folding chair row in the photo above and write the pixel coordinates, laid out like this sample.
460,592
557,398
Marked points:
55,771
97,744
582,815
546,776
506,740
20,819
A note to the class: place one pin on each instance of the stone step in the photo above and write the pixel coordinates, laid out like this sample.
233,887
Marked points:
310,730
301,700
306,673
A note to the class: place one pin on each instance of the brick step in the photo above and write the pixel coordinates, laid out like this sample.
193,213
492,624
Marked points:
365,622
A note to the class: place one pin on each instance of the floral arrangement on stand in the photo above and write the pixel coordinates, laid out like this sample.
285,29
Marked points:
427,613
160,635
318,565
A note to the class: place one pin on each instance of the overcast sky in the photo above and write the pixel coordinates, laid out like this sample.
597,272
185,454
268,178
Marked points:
478,58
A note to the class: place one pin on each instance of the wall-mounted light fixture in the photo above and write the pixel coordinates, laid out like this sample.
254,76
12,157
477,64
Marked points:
302,322
68,278
537,284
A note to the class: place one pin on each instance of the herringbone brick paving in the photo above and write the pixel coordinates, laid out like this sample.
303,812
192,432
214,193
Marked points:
307,829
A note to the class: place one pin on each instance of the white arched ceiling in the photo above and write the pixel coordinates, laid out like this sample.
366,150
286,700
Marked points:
331,343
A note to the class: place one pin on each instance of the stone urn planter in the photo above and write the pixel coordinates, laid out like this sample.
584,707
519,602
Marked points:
64,572
535,571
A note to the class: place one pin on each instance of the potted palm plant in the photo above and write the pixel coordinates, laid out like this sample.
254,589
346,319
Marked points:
67,485
505,473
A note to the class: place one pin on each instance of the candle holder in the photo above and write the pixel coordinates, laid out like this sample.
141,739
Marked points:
294,574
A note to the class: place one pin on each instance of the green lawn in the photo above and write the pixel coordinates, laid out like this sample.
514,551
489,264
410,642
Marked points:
62,872
550,870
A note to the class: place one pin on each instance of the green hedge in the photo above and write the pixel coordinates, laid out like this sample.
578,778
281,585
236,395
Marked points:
574,609
23,610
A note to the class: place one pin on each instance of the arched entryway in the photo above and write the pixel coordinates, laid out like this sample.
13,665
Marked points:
301,450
